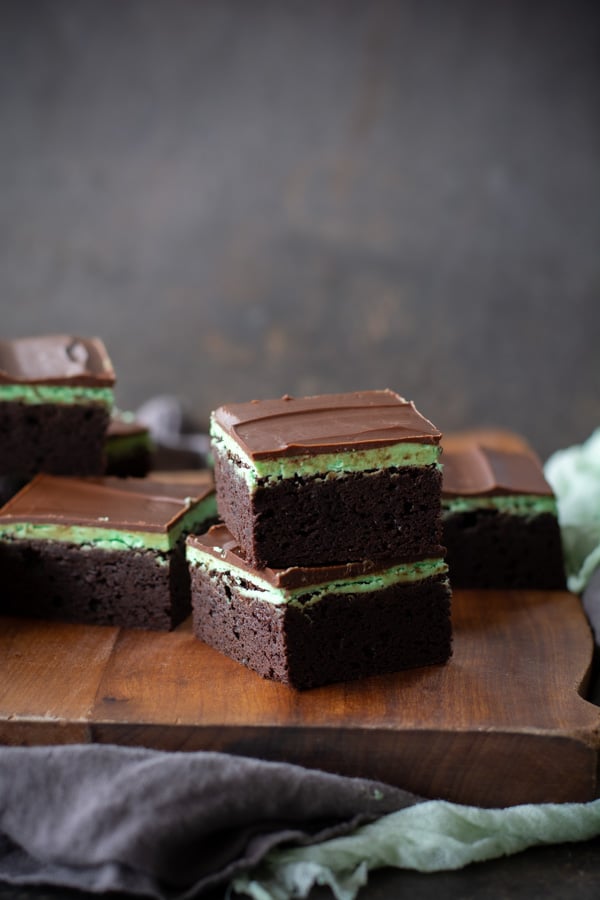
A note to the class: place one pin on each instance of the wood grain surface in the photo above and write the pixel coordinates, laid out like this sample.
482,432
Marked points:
503,723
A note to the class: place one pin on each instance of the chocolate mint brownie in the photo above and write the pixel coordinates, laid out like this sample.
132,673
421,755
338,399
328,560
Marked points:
128,447
105,551
328,479
312,626
500,518
56,393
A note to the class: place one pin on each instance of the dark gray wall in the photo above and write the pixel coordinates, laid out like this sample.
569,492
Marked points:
252,198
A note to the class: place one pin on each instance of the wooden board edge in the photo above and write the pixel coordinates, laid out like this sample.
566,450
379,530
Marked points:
470,767
37,732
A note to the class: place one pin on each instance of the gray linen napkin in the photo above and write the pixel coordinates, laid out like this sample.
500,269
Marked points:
164,825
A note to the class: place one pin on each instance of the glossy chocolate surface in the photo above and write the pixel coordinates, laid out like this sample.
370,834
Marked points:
476,469
114,503
57,359
324,424
219,542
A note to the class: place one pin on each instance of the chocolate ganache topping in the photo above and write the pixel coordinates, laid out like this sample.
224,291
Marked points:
478,470
57,359
220,543
113,503
325,423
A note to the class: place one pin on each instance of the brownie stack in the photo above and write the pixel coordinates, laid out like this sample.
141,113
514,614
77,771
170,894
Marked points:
328,566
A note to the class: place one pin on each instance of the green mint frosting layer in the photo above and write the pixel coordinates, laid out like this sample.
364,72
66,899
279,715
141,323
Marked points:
270,471
515,504
33,395
93,537
405,573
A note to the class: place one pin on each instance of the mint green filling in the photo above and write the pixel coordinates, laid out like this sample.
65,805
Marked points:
325,465
33,395
93,537
405,573
515,505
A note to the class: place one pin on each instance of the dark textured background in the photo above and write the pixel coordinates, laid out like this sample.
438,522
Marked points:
252,198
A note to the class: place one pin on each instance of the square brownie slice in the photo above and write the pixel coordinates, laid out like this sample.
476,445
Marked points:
500,518
56,394
313,626
106,551
328,479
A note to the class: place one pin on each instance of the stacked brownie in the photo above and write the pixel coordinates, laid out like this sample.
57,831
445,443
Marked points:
328,566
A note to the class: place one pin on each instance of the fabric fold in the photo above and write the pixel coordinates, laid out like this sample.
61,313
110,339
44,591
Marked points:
164,824
574,475
430,837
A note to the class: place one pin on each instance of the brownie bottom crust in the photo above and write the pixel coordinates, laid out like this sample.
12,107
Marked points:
491,549
391,514
53,438
342,637
59,581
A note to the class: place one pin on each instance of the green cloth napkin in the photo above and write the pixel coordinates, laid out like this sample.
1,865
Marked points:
574,475
429,837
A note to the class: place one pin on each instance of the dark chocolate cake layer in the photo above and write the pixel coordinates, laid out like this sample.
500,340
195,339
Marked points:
61,439
486,548
53,580
340,638
394,513
128,447
136,463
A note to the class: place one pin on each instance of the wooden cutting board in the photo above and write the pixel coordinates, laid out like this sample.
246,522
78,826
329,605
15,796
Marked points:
503,723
